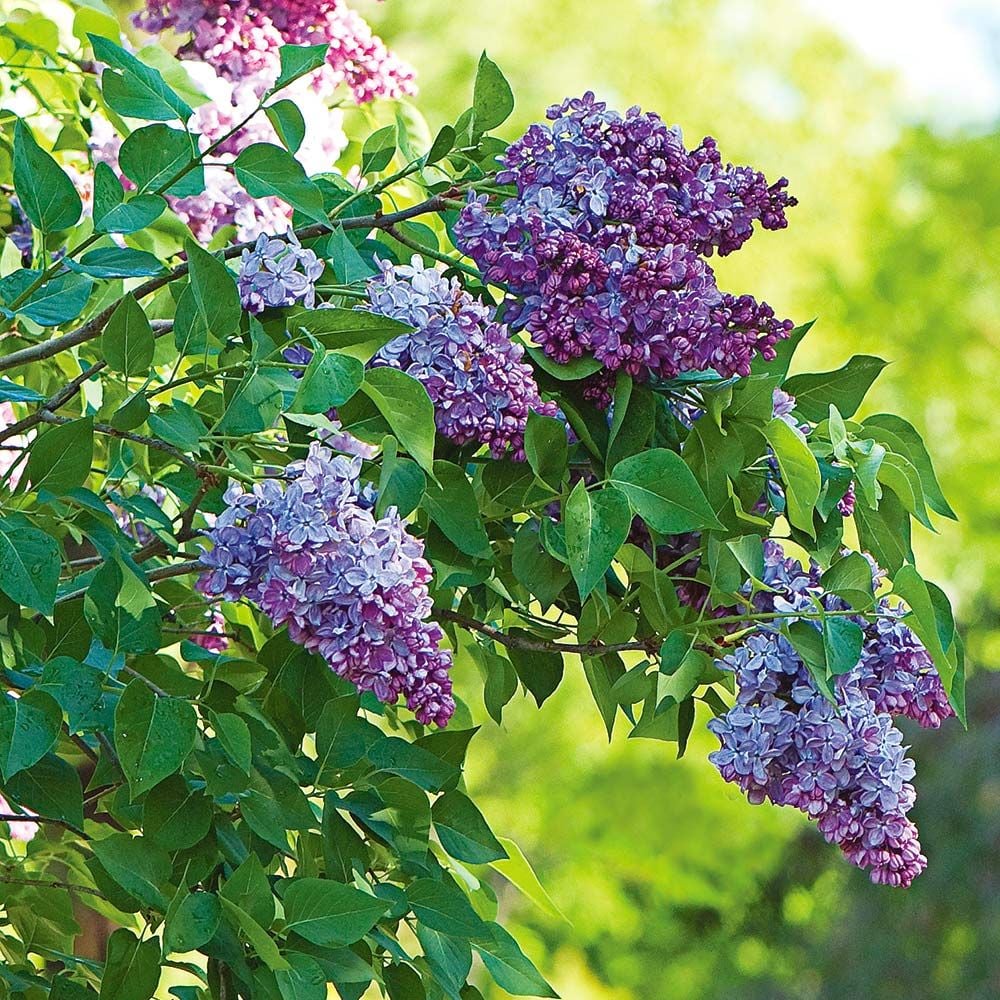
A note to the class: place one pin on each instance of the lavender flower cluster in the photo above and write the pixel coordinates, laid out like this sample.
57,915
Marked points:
844,765
278,271
473,372
349,586
241,39
603,246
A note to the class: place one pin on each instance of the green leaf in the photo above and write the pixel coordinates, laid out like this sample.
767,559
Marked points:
572,371
546,447
117,262
266,170
509,966
127,342
850,578
633,422
209,308
903,479
296,61
77,687
330,380
50,788
138,91
176,815
450,959
845,388
329,913
443,907
153,735
122,624
463,831
663,492
343,848
60,459
303,980
378,150
342,737
44,191
809,644
842,642
415,764
60,300
492,100
408,410
193,923
29,728
341,329
234,735
535,568
452,505
29,566
443,144
255,406
261,942
800,473
11,392
154,156
135,864
908,584
597,525
249,889
540,671
885,533
131,967
120,216
288,123
348,265
903,438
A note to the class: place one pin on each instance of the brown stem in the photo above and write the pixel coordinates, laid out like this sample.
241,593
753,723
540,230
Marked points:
50,884
29,818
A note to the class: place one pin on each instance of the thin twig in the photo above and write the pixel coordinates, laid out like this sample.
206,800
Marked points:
46,884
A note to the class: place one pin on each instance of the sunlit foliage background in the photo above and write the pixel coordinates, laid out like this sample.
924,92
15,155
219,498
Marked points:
676,888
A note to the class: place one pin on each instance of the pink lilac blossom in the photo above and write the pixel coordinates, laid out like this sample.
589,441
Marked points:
22,830
603,246
474,373
842,763
241,39
210,637
312,555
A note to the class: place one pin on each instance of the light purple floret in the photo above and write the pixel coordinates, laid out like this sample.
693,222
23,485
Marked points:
842,763
277,272
349,586
481,388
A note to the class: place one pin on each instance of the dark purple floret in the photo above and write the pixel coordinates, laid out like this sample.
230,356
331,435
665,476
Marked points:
602,248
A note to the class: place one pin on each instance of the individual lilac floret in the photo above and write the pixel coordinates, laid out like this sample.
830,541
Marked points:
279,271
352,587
473,372
603,246
841,762
211,637
845,505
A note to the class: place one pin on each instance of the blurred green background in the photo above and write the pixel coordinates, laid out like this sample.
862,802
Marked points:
674,887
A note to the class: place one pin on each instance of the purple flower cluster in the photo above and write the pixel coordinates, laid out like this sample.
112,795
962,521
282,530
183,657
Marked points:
843,764
241,39
349,586
474,373
603,246
278,271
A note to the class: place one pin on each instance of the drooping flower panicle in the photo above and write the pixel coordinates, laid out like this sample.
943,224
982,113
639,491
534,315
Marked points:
603,246
350,586
843,764
474,373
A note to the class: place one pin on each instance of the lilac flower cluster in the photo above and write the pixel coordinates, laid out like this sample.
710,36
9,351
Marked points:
474,373
349,586
278,271
241,39
843,764
602,248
